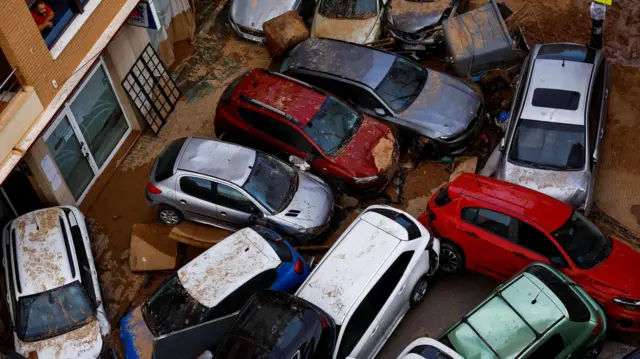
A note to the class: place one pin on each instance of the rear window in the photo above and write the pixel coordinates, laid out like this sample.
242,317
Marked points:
276,242
578,311
567,52
429,352
552,98
166,160
401,219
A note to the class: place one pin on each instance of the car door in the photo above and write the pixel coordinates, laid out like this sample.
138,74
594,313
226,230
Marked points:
196,198
535,245
234,207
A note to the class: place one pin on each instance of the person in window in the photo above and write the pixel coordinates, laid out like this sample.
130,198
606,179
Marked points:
43,16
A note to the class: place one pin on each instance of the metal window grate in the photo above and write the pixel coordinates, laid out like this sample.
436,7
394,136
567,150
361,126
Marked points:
153,91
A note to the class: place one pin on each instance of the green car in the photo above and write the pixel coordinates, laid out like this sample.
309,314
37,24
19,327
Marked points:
539,313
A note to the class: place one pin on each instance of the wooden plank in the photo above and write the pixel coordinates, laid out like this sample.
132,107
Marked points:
151,249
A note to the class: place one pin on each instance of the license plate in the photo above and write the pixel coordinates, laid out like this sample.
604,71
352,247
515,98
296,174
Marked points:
418,47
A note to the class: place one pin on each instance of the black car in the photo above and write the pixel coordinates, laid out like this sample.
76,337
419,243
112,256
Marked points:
277,325
392,88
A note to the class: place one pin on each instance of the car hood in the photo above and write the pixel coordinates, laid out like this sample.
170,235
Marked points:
136,338
412,16
312,203
358,31
370,151
82,343
614,271
253,13
445,106
567,186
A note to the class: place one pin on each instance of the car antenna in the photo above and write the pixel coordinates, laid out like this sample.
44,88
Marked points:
36,220
535,300
562,61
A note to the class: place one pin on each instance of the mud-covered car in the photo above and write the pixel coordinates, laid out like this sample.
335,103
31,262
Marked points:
414,24
247,16
392,88
357,21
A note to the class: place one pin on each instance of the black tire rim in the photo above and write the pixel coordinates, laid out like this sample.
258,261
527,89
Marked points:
420,291
450,261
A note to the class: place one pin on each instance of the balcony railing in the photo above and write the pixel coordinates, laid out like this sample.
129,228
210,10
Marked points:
10,87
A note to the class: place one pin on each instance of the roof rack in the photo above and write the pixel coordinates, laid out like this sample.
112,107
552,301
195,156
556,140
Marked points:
466,321
296,81
16,272
272,109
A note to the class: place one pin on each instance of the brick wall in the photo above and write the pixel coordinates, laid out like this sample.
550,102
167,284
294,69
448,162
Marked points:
25,49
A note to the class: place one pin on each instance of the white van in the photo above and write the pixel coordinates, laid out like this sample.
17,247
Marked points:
372,274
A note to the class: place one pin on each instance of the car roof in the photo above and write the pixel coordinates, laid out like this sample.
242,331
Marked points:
351,61
558,75
42,256
223,268
218,159
547,211
299,100
354,260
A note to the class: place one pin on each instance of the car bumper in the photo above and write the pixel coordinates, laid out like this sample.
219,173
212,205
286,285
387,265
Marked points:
246,34
621,319
459,144
430,39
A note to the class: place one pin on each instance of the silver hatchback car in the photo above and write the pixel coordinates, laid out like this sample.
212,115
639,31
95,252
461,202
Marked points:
557,123
232,187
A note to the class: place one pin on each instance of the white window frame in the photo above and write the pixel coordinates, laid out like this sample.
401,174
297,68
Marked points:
72,29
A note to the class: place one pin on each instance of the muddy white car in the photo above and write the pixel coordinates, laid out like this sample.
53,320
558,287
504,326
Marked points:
357,21
54,295
377,269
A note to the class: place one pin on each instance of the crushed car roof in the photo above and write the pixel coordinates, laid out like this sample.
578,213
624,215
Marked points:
222,160
223,268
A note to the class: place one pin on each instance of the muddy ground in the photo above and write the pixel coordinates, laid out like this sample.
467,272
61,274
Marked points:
219,57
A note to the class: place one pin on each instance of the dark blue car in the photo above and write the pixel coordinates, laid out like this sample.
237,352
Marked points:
215,284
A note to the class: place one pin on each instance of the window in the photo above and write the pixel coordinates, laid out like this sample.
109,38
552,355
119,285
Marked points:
232,198
427,351
53,16
595,106
348,9
553,98
402,84
167,159
371,305
412,229
83,262
333,126
276,242
490,221
276,129
532,239
199,188
345,91
259,121
549,349
567,52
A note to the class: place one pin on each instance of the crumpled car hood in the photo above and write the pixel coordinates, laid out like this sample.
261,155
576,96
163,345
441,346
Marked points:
350,30
313,200
253,13
444,107
82,343
412,16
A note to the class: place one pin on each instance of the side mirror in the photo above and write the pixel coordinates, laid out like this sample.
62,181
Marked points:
299,163
503,144
259,219
558,262
380,112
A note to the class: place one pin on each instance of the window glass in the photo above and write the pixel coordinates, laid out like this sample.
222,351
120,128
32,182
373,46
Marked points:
549,349
553,98
276,129
548,145
585,244
402,84
490,221
83,262
259,121
272,183
595,106
469,214
531,238
199,188
333,125
427,351
348,9
167,159
232,198
412,229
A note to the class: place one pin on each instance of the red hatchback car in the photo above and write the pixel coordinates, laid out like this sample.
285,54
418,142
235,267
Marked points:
352,152
497,228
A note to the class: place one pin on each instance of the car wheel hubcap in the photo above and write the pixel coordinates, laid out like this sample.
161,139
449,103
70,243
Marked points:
593,353
421,290
169,217
450,262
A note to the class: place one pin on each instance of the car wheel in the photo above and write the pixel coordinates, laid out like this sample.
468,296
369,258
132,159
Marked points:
419,290
170,216
451,257
593,351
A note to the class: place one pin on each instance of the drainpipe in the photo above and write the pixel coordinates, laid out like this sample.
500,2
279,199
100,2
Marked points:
598,12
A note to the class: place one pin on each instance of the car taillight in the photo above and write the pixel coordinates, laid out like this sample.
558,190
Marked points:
324,322
598,327
299,267
153,189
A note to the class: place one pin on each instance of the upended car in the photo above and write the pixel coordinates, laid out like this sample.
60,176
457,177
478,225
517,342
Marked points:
353,152
357,21
394,89
54,295
278,325
246,17
215,284
497,228
539,313
557,123
231,187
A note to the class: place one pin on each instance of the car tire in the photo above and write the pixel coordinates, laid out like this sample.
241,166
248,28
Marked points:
593,351
451,257
170,216
419,290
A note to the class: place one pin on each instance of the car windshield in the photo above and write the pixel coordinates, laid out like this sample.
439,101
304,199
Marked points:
348,9
272,183
402,84
333,125
548,145
172,308
582,240
54,312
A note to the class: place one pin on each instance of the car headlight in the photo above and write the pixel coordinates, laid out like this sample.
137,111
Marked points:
365,179
628,304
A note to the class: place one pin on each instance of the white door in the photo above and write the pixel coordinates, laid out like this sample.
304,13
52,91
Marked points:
88,132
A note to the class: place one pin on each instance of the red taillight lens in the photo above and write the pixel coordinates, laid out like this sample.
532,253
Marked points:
324,322
153,189
598,327
299,267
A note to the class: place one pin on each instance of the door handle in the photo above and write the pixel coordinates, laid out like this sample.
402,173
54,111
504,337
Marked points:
472,234
374,330
183,201
223,213
519,255
402,288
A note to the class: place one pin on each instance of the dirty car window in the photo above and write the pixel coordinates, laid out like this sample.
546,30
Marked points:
333,125
272,183
402,84
348,9
52,313
582,240
549,145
